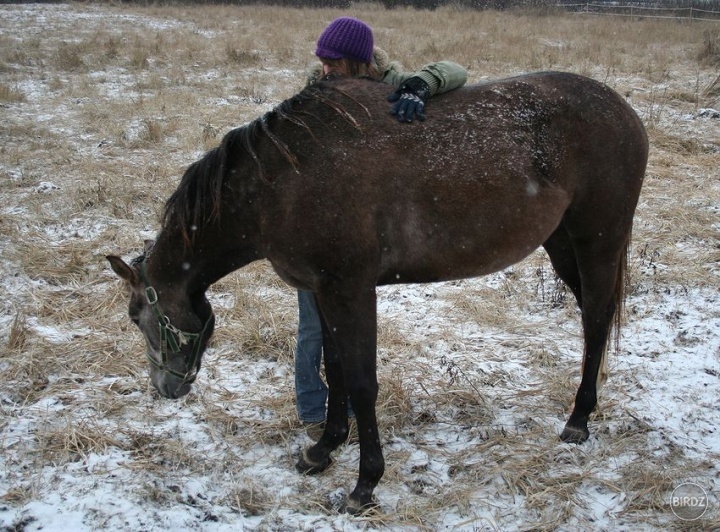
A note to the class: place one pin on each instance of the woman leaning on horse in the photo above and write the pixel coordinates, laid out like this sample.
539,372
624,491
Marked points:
346,47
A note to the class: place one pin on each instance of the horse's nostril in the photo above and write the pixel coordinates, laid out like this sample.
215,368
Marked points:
175,390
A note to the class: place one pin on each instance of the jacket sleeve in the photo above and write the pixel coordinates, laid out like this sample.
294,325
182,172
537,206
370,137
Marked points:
442,76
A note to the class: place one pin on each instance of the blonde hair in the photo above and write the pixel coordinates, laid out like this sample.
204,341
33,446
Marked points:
352,68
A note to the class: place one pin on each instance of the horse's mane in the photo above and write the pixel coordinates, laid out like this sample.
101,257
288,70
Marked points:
197,200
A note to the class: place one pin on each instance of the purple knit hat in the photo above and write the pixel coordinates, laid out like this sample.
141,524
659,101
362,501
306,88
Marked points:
346,37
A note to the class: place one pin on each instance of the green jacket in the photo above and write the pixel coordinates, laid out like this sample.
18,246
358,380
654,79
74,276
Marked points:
442,76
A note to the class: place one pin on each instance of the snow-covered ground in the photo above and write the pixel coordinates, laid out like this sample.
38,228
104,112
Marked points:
476,376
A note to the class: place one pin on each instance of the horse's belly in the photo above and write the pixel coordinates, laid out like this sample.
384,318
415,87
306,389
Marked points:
446,264
479,241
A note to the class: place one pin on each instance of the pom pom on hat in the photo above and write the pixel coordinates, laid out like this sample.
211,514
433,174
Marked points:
346,38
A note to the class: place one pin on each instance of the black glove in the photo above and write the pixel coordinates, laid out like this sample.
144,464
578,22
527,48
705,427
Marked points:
409,100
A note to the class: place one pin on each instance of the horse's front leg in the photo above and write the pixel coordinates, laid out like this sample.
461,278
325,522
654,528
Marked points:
351,319
317,458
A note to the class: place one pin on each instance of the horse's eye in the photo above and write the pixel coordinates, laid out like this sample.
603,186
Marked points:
134,312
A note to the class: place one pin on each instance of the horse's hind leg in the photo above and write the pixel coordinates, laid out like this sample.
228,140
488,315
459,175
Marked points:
592,269
601,268
562,256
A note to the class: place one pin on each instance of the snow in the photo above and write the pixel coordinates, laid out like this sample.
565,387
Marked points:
477,451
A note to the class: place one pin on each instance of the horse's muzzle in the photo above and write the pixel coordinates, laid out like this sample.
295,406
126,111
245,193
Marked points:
169,386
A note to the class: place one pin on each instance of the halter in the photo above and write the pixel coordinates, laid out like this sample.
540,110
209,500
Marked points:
171,336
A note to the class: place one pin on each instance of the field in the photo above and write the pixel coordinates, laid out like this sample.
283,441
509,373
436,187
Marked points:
101,109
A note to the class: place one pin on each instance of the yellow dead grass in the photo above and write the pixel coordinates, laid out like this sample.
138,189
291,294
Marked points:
113,116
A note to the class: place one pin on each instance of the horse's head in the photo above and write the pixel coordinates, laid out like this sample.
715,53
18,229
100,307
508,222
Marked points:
176,333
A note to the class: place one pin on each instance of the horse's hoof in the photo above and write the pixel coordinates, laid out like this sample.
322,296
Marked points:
574,435
355,507
308,467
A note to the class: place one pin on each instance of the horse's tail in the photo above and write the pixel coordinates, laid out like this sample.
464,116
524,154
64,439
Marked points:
621,283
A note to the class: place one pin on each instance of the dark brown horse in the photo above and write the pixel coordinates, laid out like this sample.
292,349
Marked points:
339,197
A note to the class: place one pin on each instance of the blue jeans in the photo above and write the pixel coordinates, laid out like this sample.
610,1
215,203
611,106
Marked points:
310,390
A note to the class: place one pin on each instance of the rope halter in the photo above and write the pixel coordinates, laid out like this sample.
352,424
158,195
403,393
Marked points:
171,337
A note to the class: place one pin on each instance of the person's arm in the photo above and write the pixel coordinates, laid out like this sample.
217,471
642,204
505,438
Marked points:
414,89
440,77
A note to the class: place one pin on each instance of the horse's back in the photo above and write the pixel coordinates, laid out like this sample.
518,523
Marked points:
550,125
477,186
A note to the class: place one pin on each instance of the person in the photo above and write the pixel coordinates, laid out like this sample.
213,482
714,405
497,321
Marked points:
346,47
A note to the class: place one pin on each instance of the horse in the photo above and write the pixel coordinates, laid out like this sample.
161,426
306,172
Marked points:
339,197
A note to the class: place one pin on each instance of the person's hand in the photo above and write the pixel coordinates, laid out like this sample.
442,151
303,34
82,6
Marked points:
409,100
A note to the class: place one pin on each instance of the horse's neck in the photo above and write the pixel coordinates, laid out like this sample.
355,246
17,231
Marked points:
167,264
197,264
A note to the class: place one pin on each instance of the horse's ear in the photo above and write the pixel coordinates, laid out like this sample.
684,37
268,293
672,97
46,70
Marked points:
148,245
123,271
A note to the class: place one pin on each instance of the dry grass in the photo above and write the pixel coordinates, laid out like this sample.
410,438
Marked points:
98,122
710,51
10,94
